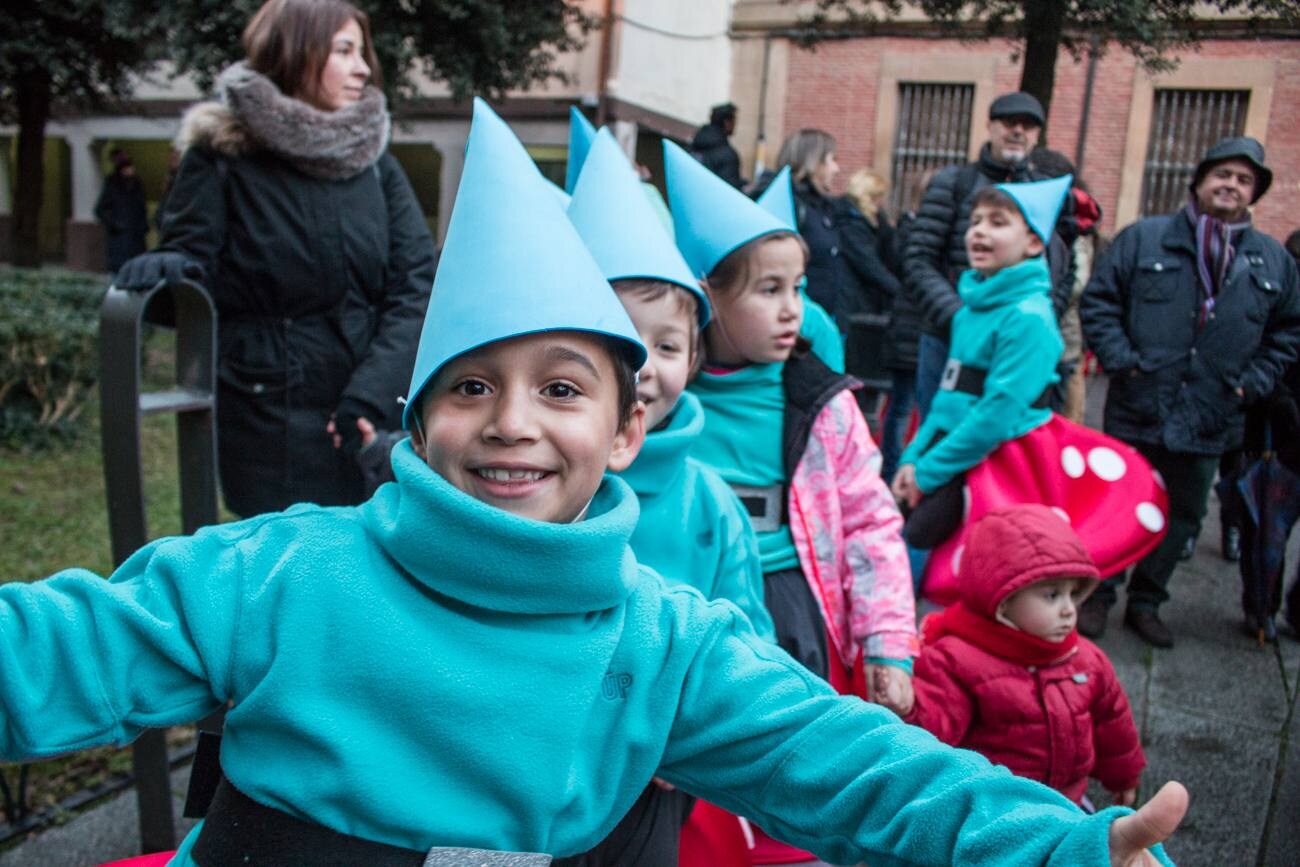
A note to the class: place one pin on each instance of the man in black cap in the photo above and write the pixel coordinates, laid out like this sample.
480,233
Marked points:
936,247
1193,315
710,145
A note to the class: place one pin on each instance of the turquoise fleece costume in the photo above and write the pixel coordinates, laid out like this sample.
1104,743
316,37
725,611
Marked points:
1007,327
425,669
693,529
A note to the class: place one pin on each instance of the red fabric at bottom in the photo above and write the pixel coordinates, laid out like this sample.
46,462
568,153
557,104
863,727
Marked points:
157,859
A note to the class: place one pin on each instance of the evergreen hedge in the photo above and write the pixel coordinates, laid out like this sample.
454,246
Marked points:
49,356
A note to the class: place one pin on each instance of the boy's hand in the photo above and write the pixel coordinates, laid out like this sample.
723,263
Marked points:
904,487
890,686
1153,823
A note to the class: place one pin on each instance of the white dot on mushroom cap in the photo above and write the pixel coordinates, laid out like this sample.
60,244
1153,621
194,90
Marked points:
1107,463
956,559
1150,517
1072,462
1160,480
1061,513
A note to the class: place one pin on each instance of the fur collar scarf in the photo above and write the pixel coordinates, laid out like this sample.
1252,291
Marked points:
253,114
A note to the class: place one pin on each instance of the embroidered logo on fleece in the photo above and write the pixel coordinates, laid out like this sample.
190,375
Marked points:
615,685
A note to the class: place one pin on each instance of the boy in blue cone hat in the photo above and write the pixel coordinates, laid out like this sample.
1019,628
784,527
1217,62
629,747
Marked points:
1001,362
692,529
472,658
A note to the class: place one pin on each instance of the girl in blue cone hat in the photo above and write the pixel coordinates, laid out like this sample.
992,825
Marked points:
471,663
786,432
990,440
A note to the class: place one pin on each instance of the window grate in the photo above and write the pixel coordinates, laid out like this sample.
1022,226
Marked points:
933,132
1184,124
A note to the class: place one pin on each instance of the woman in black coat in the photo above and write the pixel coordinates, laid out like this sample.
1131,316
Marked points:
810,154
314,247
121,208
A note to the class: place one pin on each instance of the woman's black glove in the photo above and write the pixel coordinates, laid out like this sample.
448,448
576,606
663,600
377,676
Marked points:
149,269
345,422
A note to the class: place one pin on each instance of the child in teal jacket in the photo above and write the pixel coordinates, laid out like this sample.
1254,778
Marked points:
990,439
693,529
473,658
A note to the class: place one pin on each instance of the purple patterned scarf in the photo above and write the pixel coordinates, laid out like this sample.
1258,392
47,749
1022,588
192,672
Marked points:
1215,247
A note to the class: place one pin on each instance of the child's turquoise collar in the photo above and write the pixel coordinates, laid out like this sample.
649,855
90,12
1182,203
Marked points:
488,558
663,455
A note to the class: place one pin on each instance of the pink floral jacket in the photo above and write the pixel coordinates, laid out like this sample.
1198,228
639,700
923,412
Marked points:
847,530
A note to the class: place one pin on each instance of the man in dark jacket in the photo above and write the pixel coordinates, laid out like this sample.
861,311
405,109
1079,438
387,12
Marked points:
1193,315
936,249
710,145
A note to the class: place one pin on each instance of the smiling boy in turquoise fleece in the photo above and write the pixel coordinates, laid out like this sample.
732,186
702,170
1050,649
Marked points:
473,657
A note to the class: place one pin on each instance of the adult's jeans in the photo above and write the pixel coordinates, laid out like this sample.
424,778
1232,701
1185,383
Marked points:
1188,479
931,357
902,397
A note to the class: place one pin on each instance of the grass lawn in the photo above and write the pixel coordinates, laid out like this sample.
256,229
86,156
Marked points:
53,515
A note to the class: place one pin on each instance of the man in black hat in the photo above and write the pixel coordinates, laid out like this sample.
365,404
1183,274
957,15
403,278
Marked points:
1193,315
710,145
936,247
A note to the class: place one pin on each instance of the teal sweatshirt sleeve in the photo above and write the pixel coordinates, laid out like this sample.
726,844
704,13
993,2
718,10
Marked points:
1023,364
819,329
740,571
86,662
759,736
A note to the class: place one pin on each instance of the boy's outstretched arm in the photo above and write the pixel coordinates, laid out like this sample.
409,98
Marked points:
86,662
759,736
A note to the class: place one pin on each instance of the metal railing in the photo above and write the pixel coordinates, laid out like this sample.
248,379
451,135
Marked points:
933,131
123,405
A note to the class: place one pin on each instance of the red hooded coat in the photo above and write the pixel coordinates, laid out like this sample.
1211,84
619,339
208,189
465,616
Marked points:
1060,722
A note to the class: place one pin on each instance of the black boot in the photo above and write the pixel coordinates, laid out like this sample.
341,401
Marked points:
1149,627
1092,617
1189,549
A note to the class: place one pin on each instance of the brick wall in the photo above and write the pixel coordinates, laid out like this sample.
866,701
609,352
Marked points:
834,87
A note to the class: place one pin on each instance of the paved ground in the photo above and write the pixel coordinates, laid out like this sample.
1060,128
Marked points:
1217,712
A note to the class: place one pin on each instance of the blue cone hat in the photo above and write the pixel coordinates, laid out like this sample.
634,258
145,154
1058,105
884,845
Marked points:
778,199
1040,202
620,227
581,135
511,264
712,217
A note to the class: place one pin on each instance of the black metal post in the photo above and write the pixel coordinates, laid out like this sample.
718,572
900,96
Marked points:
122,406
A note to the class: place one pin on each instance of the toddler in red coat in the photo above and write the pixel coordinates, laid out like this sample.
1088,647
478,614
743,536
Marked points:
1003,671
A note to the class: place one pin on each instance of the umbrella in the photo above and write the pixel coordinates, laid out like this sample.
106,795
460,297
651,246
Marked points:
1270,495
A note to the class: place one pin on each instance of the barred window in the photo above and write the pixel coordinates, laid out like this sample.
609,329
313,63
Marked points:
933,132
1184,124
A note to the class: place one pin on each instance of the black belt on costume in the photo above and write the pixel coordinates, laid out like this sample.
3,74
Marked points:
970,380
768,506
239,830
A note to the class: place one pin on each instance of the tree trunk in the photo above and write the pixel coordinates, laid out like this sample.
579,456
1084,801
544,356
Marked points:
33,98
1044,25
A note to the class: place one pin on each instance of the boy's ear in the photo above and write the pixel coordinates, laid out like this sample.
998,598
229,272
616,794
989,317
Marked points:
1036,246
628,440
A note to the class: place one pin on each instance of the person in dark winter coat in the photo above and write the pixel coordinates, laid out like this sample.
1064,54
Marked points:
1004,672
710,145
936,250
810,154
1193,315
121,208
316,253
872,286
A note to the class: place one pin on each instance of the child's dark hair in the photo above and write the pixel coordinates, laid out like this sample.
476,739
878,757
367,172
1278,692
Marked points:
687,302
733,270
624,378
992,197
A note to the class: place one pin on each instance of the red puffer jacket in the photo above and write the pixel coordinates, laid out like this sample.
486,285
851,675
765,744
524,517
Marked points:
1058,722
